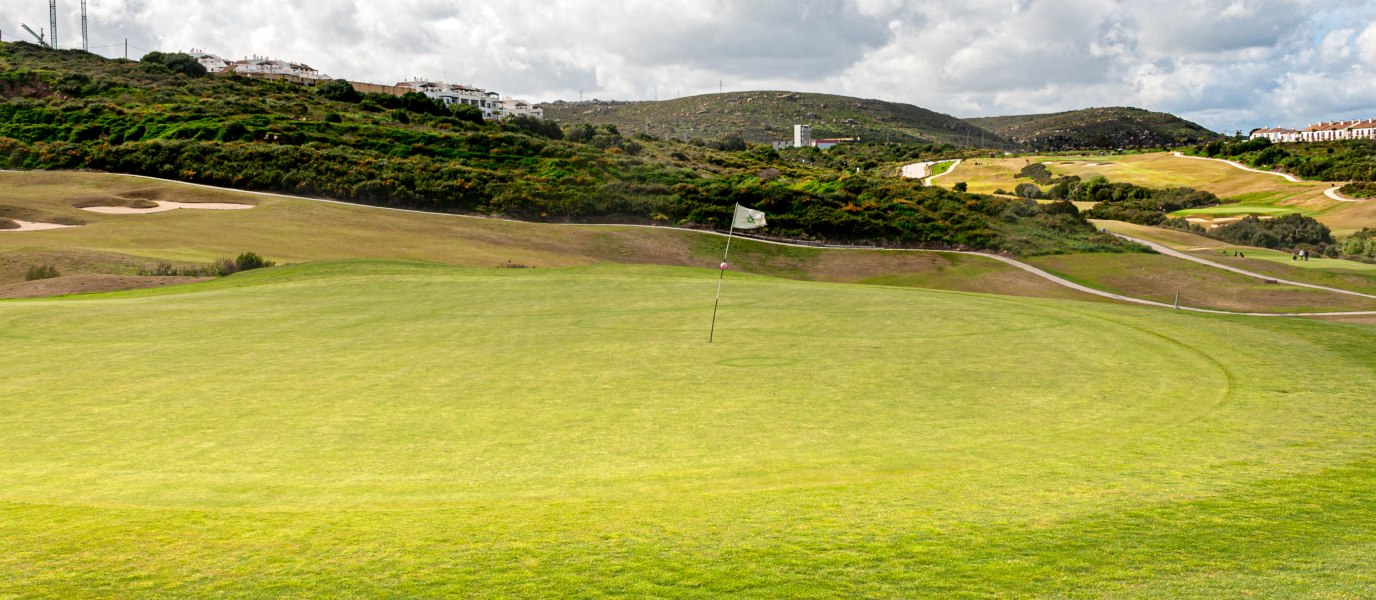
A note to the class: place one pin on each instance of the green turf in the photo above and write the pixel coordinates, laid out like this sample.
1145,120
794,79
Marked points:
368,429
1239,209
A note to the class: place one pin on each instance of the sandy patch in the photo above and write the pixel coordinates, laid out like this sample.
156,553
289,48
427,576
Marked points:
33,226
164,206
89,284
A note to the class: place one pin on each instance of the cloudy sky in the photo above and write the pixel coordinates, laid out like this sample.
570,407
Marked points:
1227,64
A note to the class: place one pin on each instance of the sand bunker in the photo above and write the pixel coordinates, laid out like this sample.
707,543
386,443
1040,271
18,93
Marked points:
1221,221
34,226
164,206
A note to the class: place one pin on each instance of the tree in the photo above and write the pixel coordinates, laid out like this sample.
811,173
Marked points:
339,91
543,127
159,63
960,187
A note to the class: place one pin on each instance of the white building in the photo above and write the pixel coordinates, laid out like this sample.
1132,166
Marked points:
455,93
211,62
273,67
1321,132
802,136
512,107
493,105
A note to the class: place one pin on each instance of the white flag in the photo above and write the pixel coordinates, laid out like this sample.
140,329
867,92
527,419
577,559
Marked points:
747,219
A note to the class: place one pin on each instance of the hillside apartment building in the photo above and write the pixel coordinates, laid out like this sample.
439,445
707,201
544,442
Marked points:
493,105
1321,132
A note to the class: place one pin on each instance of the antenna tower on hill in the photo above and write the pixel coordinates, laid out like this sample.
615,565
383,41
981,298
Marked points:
52,23
84,47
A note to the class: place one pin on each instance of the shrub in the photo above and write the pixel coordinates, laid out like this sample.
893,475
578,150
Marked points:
542,127
473,114
160,63
37,272
339,91
249,261
333,118
960,187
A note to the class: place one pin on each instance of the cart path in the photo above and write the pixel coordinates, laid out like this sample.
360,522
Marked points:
1332,192
1004,259
1178,254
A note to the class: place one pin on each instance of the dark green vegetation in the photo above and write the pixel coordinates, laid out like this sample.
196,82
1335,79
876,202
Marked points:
1132,203
373,429
223,267
1345,160
767,116
1360,246
1358,190
1146,206
1106,128
1290,231
37,272
83,111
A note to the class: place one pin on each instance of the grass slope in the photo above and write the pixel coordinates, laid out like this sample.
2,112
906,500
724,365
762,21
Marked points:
390,429
767,116
1259,193
1112,127
292,231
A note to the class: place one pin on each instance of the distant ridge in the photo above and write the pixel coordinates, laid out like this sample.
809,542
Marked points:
1112,127
766,116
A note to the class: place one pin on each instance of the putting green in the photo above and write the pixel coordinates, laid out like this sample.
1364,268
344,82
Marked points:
1238,209
382,428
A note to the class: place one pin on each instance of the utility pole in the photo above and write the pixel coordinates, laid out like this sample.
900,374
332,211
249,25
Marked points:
84,46
52,22
126,48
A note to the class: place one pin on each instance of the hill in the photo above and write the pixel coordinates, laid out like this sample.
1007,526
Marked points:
1113,127
767,116
75,110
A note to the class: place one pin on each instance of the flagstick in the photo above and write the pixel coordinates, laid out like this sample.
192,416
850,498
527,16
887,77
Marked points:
720,278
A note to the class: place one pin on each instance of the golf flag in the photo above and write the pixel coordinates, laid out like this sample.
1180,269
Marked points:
747,219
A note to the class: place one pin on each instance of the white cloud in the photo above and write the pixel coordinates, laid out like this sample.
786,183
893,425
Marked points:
1231,64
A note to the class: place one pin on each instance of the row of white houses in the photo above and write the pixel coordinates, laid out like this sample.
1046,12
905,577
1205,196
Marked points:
493,105
1321,132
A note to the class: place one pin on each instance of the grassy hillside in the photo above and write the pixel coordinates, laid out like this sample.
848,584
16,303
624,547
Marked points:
80,111
767,116
293,231
389,429
1112,127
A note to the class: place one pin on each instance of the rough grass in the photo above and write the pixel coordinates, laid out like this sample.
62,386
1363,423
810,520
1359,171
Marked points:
1158,277
293,231
383,429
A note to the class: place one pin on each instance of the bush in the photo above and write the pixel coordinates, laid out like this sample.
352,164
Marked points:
249,261
1285,232
339,91
333,118
542,127
171,63
961,187
473,114
37,272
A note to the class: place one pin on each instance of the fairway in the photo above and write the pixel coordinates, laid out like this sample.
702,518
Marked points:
403,429
1255,193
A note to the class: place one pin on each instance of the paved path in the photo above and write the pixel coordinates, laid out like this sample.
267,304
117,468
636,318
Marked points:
1178,254
1004,259
923,169
928,182
1239,165
1332,192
